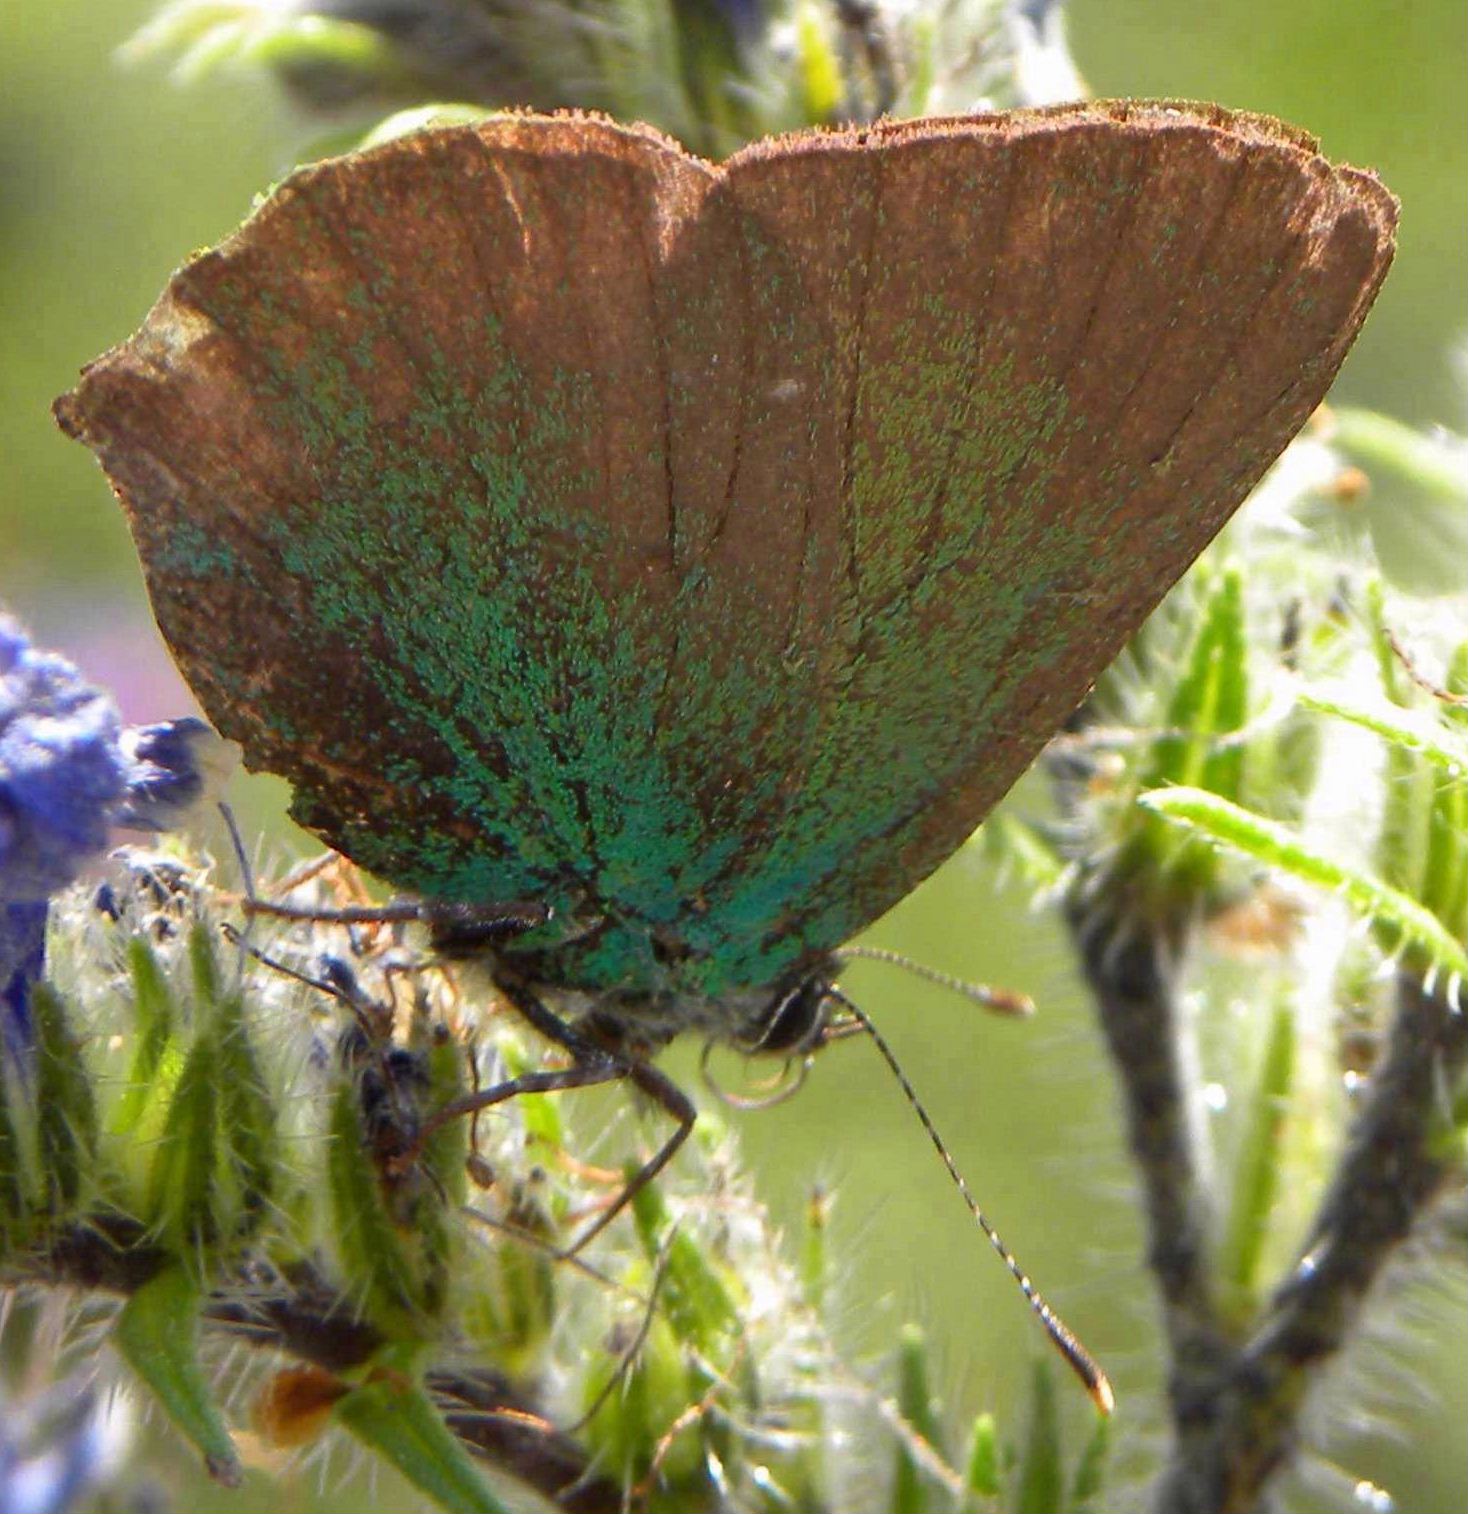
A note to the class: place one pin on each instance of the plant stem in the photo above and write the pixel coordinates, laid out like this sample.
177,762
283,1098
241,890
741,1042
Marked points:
1236,1398
1394,1166
299,1314
1133,976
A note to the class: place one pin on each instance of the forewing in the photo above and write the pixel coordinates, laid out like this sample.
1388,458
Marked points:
1067,344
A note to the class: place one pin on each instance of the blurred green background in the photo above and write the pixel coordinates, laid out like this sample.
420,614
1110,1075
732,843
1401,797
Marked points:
108,177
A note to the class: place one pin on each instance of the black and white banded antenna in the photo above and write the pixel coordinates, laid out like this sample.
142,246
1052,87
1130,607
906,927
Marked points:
1065,1340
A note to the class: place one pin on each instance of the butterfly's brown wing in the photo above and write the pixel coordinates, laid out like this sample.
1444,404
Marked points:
1065,345
707,550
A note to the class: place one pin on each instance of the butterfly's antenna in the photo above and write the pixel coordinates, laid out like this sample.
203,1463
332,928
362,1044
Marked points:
1003,1001
1082,1363
237,843
247,877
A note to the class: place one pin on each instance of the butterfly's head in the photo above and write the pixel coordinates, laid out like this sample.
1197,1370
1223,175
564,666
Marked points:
794,1021
797,1018
791,1020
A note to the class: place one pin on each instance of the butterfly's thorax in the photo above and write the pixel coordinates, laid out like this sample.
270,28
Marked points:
644,1016
644,1023
593,949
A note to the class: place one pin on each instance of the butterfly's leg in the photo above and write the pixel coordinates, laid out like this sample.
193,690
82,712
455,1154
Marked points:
656,1085
458,927
669,1097
591,1064
557,1080
581,1074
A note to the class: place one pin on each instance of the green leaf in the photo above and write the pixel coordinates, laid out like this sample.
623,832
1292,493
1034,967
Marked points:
183,1199
1409,730
1206,689
395,1419
1090,1473
1041,1475
157,1335
1445,881
154,1018
1007,842
404,122
205,968
626,1430
814,1248
1256,1174
373,1257
695,1300
66,1109
981,1469
250,1131
524,1284
446,1148
13,1204
540,1114
912,1489
1403,923
288,42
1210,699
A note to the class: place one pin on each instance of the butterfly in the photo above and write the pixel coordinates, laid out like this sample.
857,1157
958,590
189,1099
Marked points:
700,550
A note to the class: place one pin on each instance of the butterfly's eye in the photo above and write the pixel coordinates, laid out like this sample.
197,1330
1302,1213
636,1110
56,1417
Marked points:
795,1019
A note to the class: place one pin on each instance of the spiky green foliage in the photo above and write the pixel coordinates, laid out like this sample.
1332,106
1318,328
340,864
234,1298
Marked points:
713,73
230,1126
1262,851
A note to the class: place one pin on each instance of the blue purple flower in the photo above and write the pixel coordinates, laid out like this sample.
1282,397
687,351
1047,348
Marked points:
59,1445
61,769
168,768
69,771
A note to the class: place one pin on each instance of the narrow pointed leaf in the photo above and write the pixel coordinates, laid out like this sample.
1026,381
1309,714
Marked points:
394,1418
1257,1169
912,1490
157,1335
981,1471
1041,1480
1403,922
66,1110
1090,1474
154,1018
